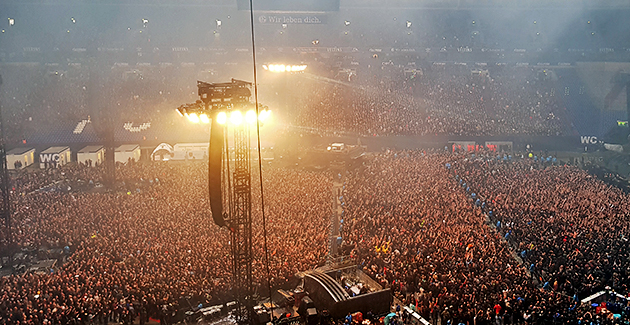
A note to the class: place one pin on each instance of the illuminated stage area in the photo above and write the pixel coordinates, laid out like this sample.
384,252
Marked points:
333,291
346,289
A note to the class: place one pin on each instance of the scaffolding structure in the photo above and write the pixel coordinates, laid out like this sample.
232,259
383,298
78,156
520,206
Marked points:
236,192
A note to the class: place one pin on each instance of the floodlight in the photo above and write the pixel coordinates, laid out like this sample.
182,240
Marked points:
221,118
236,117
263,115
204,118
193,117
250,116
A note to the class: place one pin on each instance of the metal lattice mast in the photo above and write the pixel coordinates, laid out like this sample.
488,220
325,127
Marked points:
240,223
216,100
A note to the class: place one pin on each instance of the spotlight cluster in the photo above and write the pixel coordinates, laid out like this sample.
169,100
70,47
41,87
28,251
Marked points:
284,68
196,113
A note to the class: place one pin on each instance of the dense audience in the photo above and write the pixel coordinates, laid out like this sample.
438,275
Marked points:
442,101
411,218
439,101
571,227
135,251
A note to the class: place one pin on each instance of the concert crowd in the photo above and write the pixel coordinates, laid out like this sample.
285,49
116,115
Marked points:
441,101
150,249
422,232
386,101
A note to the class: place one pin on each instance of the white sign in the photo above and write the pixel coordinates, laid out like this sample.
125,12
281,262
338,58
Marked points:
587,139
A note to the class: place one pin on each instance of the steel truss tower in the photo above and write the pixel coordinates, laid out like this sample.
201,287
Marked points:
235,174
240,223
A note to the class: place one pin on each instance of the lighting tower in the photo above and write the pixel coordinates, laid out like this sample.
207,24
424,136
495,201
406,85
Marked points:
228,106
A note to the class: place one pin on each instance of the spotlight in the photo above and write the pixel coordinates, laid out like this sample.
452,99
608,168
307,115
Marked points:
263,115
285,68
144,22
11,21
221,118
236,117
250,116
408,24
284,26
193,117
218,23
347,23
315,42
73,20
204,118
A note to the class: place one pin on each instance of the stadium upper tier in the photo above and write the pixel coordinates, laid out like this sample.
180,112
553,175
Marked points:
556,27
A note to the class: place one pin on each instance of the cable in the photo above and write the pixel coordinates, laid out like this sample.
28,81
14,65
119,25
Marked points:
262,196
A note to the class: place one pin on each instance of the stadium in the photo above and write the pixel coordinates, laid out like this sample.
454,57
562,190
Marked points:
314,162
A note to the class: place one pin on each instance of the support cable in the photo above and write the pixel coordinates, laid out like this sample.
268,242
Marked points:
262,196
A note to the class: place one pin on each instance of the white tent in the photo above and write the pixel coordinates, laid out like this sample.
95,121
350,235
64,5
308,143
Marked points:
91,155
162,152
126,152
54,157
19,158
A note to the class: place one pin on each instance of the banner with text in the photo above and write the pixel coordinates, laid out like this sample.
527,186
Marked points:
304,19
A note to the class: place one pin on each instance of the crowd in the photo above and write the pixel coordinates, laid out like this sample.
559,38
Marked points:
40,100
419,230
411,218
144,251
441,101
570,227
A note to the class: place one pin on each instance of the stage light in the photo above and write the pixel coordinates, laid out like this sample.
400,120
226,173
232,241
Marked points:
264,115
73,20
218,23
11,21
144,22
236,117
285,68
179,112
221,118
204,118
408,24
250,116
347,23
193,117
